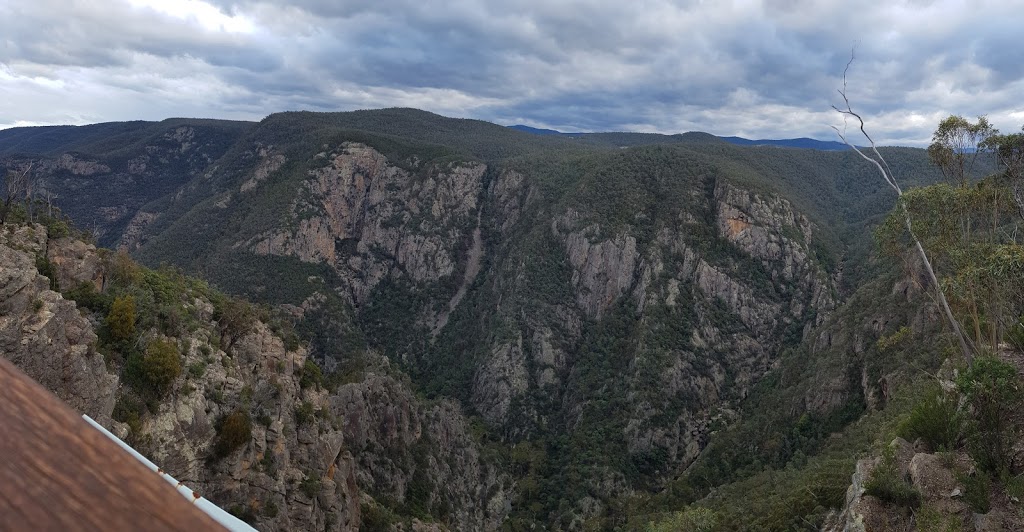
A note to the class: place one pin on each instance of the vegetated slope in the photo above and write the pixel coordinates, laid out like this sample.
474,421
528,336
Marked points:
624,139
223,396
617,305
101,175
803,142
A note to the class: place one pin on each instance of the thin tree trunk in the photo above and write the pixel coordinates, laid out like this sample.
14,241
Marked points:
966,346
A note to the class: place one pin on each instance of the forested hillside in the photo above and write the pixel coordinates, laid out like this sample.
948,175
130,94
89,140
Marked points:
626,324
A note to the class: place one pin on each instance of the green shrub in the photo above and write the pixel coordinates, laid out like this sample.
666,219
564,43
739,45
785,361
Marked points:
129,410
976,492
161,365
1014,485
234,318
233,432
376,518
123,270
311,375
992,390
935,420
264,418
929,519
243,512
889,486
121,319
85,295
1015,335
269,464
310,486
695,519
197,369
47,270
270,509
304,413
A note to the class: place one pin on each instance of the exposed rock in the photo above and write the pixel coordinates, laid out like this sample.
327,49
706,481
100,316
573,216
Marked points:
44,335
669,272
73,164
509,192
936,481
75,262
602,271
473,258
502,377
28,238
133,236
269,163
937,478
370,219
313,458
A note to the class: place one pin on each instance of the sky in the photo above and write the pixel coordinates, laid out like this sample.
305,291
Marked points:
757,69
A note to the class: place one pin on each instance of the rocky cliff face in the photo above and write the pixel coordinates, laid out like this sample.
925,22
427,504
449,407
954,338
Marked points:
940,481
372,220
313,458
607,309
42,332
706,322
105,190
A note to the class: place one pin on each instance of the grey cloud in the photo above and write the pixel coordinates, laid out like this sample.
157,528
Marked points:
764,69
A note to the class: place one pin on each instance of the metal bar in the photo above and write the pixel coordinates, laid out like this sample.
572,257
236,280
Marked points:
229,521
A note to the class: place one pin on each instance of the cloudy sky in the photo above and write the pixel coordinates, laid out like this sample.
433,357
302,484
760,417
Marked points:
759,69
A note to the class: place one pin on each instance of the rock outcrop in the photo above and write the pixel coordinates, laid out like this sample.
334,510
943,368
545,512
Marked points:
371,220
709,324
43,333
313,459
939,481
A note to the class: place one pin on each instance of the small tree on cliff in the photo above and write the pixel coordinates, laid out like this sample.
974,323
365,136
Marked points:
956,144
1009,151
121,319
966,346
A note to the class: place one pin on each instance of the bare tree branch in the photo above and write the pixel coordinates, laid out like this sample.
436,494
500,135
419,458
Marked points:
16,184
966,345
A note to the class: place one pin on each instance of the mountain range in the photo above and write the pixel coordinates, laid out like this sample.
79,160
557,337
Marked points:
459,325
802,142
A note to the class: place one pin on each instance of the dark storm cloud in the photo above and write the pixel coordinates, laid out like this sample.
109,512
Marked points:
756,68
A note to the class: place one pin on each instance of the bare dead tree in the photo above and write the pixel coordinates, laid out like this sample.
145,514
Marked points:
16,185
49,196
966,345
29,180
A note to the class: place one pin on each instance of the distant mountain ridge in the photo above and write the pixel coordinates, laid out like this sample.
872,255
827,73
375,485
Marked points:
624,316
802,142
536,130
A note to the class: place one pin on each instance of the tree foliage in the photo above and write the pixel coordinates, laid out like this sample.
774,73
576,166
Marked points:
233,432
235,317
879,162
121,319
970,233
956,144
993,392
161,365
1009,152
